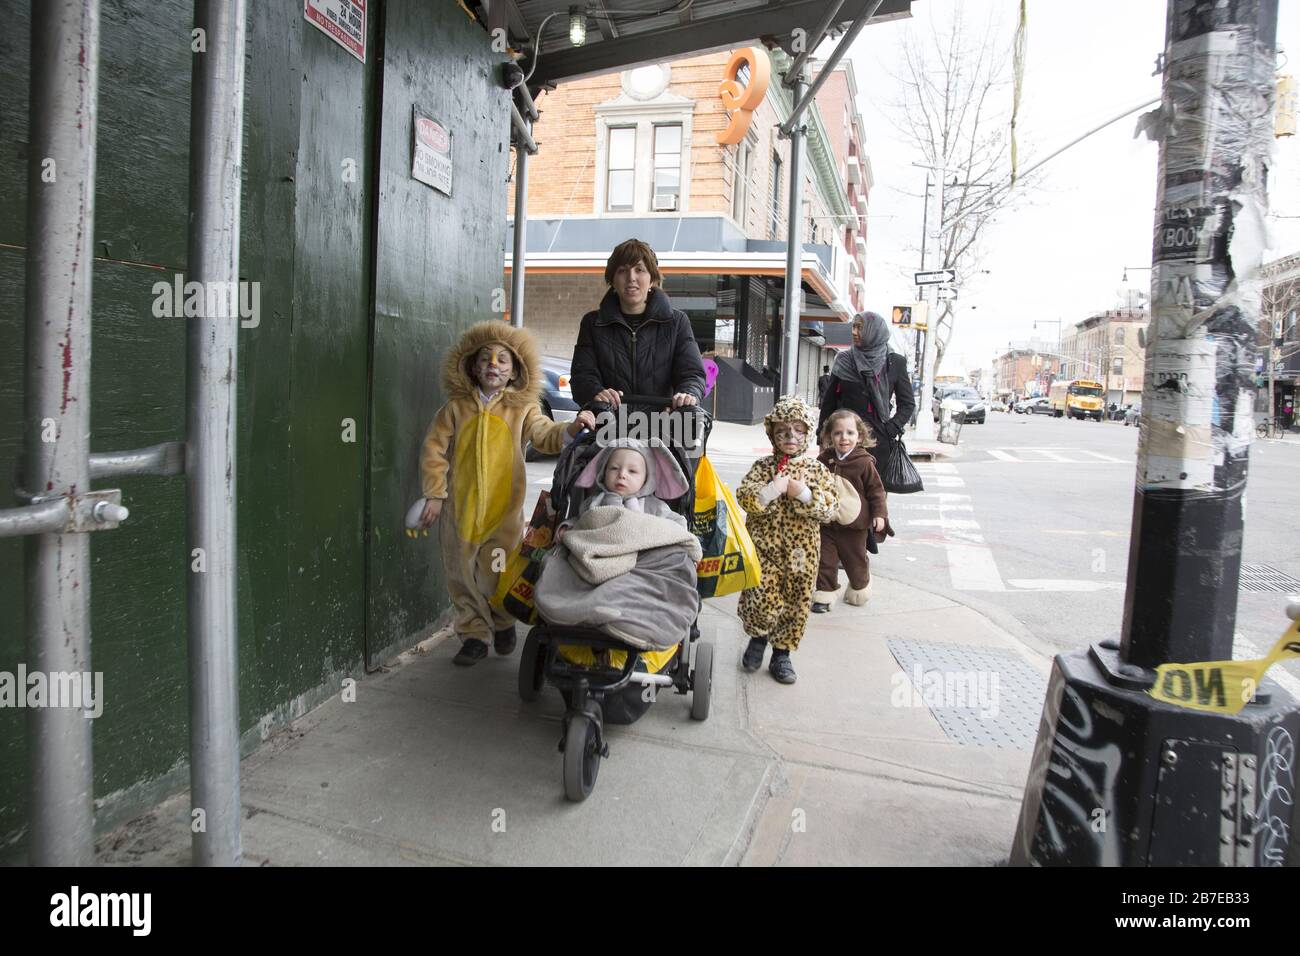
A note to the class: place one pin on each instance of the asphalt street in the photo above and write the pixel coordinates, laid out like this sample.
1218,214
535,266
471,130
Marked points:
1033,519
1032,523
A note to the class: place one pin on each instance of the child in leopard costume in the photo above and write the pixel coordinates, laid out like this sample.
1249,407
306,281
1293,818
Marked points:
786,498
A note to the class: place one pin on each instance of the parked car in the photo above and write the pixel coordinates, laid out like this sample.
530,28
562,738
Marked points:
973,409
1133,416
557,398
1035,406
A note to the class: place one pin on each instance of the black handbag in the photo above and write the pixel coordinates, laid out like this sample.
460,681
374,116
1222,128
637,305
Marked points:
899,475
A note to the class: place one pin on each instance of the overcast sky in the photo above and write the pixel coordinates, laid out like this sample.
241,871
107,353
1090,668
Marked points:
1092,215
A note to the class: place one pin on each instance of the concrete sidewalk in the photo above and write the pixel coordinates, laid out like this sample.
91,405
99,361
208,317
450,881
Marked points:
435,764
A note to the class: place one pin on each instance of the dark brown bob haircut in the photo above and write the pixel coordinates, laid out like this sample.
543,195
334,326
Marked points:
629,253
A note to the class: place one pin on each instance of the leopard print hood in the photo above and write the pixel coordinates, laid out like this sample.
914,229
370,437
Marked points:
791,408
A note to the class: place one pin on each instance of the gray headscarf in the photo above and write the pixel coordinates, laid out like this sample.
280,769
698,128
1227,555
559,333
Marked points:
866,362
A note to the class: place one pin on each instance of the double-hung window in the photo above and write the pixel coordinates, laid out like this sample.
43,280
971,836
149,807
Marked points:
621,183
667,168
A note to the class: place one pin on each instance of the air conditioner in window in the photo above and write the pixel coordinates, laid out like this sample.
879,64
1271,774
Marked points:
665,202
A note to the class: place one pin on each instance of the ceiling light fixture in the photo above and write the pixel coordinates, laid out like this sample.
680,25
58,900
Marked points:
577,26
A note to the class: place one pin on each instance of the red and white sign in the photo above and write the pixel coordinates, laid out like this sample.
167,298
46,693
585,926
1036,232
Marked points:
344,21
431,156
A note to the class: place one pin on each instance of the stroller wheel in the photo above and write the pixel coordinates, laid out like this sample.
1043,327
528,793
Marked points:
702,681
581,757
532,662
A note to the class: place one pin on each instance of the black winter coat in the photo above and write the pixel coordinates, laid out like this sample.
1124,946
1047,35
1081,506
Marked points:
855,396
657,356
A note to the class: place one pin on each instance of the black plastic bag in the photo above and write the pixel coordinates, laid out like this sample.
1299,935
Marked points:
899,474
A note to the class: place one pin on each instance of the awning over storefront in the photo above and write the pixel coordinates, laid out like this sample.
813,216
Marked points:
617,39
832,308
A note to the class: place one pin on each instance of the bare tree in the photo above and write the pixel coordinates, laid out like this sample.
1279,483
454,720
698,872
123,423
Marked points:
955,106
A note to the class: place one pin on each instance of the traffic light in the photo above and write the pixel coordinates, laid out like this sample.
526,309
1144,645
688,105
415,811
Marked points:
902,316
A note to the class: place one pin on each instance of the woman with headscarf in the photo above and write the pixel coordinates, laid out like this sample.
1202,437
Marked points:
866,378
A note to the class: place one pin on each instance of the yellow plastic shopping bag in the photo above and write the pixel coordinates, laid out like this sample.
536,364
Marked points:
730,562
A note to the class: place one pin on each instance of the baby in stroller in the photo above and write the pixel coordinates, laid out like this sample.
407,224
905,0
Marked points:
617,596
626,564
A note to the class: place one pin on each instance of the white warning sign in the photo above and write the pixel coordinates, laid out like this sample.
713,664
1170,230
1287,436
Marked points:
344,21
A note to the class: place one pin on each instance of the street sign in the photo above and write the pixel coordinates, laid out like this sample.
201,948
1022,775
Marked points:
945,292
938,277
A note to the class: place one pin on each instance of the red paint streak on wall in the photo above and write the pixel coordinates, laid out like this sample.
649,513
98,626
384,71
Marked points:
67,370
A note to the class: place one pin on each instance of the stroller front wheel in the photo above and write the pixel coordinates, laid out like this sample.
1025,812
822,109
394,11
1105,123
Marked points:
581,757
702,681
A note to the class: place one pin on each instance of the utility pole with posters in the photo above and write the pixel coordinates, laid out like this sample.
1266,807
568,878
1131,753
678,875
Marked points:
1151,751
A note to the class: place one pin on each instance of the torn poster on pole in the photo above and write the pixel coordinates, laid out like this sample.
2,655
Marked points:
344,21
431,151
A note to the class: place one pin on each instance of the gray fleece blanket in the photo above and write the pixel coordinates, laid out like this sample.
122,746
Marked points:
631,575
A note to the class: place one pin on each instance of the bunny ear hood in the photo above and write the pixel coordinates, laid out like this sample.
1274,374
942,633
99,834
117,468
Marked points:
791,408
458,368
664,477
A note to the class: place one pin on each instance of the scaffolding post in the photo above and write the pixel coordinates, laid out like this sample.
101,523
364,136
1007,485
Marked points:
216,129
520,247
64,112
793,251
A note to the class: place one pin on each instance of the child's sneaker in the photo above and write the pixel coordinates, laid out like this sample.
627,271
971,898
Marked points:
820,608
753,658
503,641
781,668
472,650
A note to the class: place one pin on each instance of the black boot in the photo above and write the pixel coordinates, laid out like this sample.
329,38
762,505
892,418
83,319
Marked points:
753,658
503,641
471,652
781,668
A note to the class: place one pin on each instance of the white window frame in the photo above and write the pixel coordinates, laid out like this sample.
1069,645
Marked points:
666,109
743,172
609,132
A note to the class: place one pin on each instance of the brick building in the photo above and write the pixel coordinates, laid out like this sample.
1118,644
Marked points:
1025,370
1108,347
636,154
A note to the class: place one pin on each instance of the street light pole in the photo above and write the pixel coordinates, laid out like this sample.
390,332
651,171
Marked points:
1120,777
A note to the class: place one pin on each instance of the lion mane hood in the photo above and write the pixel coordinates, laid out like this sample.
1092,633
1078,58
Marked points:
458,373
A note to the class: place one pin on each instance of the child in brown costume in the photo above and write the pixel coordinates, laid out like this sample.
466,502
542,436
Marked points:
845,439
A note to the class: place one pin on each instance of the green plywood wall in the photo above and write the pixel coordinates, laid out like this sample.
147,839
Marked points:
438,261
311,110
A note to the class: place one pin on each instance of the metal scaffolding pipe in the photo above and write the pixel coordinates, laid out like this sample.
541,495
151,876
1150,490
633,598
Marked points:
44,518
796,68
802,99
520,245
216,128
523,131
793,255
64,118
167,458
526,98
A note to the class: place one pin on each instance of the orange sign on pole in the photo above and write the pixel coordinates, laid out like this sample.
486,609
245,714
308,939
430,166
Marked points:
741,101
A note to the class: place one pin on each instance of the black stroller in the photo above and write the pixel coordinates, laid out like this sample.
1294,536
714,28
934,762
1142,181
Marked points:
582,740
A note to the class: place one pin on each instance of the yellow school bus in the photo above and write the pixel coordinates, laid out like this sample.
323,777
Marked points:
1080,398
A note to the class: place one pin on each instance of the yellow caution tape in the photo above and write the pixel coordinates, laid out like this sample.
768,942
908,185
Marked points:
1222,687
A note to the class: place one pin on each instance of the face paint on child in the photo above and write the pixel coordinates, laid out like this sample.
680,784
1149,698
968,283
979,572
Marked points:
493,367
790,437
625,472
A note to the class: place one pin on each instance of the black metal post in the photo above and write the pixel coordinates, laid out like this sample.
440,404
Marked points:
1119,777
